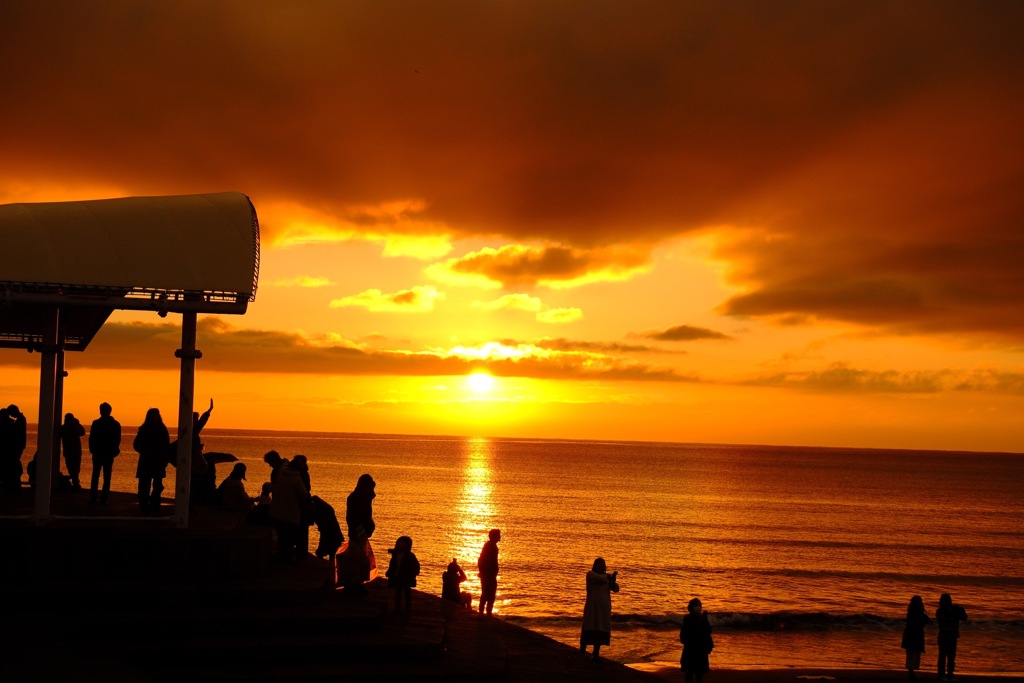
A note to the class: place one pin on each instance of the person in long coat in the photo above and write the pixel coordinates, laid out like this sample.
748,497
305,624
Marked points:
913,633
359,509
597,611
290,505
695,635
357,563
153,444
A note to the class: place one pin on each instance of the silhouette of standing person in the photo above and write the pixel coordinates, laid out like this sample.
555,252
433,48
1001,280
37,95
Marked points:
105,445
695,635
202,486
597,610
402,571
300,466
6,470
13,438
948,617
71,433
487,567
913,634
359,509
355,563
290,504
327,524
276,464
153,444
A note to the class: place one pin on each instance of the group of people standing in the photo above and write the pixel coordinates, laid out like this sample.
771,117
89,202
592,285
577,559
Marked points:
947,617
152,442
104,445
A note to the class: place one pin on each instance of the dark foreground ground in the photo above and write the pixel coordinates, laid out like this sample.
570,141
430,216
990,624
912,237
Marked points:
104,596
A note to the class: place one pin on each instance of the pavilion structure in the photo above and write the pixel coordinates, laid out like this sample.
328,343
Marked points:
66,266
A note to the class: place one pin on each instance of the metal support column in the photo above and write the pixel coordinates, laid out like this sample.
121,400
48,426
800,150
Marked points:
51,348
183,476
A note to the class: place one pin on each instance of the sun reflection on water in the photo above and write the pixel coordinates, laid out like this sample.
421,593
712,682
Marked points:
476,513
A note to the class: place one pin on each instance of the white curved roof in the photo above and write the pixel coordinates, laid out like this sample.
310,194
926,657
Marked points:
190,243
167,254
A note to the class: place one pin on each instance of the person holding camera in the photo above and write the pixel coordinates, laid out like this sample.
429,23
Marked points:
597,611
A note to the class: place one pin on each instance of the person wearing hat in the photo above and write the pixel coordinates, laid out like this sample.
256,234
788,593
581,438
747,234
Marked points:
232,491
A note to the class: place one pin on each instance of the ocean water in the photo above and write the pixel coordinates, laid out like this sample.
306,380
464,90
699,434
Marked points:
804,557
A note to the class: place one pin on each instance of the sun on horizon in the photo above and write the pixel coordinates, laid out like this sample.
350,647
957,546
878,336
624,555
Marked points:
480,382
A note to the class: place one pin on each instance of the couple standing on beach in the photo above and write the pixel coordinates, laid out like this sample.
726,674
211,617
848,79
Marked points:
695,633
948,616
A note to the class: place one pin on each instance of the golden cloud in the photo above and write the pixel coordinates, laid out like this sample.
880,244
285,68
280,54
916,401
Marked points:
304,281
512,302
558,316
418,299
397,225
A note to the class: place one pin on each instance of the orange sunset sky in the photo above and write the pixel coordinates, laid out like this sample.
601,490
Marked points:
741,222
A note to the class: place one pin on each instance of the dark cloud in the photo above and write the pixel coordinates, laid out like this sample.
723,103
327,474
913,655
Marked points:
841,378
993,381
554,266
226,348
685,333
920,289
563,344
878,144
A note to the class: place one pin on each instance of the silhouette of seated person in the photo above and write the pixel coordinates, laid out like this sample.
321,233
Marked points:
451,585
231,493
61,481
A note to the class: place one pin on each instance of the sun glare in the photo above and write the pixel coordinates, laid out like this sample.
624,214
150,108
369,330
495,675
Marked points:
480,382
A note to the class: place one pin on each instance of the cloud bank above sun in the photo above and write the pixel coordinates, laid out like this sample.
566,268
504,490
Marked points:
866,160
801,198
